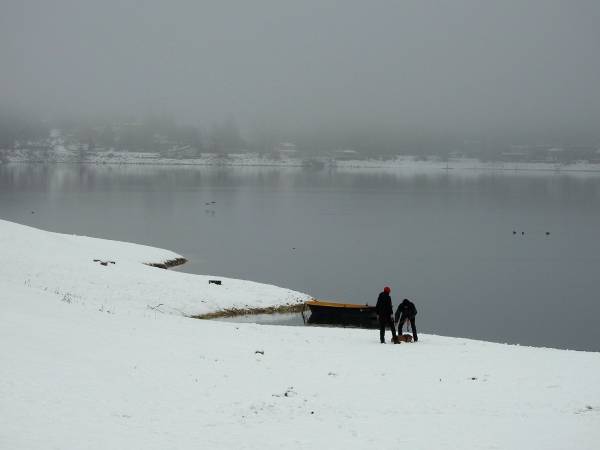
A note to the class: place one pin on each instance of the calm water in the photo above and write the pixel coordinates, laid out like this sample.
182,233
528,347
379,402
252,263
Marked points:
444,240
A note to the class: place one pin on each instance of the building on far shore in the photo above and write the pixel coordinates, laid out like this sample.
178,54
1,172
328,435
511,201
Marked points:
285,150
345,154
555,154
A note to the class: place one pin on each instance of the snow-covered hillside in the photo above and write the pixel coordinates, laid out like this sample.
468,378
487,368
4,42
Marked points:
64,265
98,369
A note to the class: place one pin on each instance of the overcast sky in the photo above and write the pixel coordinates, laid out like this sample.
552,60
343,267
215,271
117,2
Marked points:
458,65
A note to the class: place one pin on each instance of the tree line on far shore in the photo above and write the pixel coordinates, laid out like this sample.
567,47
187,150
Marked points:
150,133
160,133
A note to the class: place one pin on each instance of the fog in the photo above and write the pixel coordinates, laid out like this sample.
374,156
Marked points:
525,69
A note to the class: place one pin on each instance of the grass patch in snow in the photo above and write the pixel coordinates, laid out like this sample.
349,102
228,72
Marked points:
232,312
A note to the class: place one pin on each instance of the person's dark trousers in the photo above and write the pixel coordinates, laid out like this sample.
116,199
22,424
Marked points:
386,322
413,327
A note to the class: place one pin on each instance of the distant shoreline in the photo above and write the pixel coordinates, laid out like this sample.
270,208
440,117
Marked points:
400,163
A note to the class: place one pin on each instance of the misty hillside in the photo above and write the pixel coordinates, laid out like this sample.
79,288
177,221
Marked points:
377,78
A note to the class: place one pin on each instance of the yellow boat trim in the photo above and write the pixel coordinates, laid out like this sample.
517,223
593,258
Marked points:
335,305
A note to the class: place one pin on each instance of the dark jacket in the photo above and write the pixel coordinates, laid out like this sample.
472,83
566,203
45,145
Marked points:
407,309
384,305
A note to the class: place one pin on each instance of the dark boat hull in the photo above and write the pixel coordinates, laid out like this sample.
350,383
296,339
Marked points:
345,315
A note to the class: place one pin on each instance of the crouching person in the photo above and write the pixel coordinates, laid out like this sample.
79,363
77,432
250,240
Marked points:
406,312
384,313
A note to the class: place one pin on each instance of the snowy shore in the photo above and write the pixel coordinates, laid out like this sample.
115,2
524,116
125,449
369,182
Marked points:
64,265
400,163
85,362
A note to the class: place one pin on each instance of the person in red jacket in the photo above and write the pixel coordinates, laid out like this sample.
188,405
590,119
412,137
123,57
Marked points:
384,313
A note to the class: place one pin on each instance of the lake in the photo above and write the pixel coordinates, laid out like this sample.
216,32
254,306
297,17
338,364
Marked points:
470,248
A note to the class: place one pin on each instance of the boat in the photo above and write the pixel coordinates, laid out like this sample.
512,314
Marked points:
323,312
